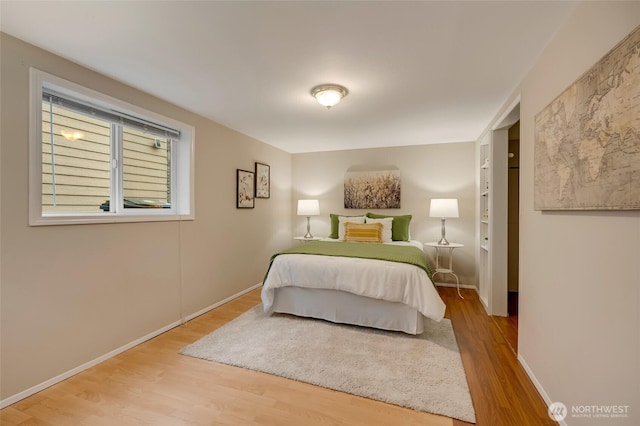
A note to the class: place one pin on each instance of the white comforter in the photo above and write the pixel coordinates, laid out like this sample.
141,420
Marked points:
391,281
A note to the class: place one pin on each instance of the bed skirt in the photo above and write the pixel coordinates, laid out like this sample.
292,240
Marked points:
347,308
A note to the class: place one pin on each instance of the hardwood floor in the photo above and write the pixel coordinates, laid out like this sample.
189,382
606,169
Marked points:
509,325
153,384
502,392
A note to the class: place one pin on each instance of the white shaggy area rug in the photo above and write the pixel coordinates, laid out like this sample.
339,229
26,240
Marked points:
422,372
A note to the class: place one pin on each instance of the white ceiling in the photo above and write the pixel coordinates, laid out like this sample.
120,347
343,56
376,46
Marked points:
417,72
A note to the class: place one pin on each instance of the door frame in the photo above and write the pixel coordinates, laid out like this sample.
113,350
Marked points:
498,229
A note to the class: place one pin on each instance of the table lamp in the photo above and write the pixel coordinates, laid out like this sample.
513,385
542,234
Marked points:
443,208
308,208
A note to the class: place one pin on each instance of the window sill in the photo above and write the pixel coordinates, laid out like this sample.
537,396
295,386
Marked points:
107,218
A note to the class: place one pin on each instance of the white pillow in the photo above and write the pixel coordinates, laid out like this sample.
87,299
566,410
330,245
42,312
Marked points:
386,227
343,219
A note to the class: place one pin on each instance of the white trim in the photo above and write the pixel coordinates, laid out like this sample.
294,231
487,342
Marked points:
107,218
222,302
508,117
470,286
536,383
57,379
483,302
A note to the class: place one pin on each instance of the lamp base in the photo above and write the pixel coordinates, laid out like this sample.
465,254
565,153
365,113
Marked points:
443,242
308,234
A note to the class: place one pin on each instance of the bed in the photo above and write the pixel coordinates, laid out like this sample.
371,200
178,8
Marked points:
355,279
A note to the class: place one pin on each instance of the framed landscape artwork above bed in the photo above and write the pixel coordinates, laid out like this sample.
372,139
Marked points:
372,188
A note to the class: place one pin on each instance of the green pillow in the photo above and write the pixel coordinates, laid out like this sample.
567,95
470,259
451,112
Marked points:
399,225
335,223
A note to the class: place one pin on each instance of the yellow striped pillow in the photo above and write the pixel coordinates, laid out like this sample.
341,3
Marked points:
363,232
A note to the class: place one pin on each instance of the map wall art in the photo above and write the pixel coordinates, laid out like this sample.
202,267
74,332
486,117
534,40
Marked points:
587,141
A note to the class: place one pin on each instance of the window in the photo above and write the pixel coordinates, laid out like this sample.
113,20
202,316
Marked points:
96,159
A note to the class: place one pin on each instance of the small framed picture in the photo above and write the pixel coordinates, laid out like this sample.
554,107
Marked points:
263,180
245,181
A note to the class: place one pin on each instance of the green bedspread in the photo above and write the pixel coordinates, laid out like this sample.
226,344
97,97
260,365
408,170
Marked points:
389,252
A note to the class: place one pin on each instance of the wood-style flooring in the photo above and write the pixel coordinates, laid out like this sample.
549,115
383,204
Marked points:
152,384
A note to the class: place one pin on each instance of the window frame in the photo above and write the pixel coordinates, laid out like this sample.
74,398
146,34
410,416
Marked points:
182,159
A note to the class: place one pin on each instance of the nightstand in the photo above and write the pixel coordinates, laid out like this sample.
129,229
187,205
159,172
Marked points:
306,240
440,251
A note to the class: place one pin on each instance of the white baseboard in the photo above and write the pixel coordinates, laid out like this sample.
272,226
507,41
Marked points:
37,388
220,303
471,286
536,383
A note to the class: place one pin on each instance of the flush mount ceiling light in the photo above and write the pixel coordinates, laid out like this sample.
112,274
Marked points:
329,94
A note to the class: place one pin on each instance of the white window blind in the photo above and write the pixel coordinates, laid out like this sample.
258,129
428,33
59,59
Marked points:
112,116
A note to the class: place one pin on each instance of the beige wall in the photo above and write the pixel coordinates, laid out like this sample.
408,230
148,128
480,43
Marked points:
579,272
426,171
579,323
73,293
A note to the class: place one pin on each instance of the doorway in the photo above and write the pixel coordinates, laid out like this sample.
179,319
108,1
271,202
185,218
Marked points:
504,285
497,285
513,214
